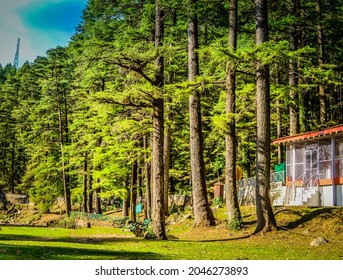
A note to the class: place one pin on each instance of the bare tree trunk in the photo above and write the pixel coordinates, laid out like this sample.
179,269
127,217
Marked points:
203,215
293,78
90,193
98,199
320,40
166,151
13,164
133,191
302,104
84,183
279,118
157,138
147,181
61,139
232,205
126,204
265,217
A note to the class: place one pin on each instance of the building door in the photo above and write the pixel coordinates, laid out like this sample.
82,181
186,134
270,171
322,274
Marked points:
311,165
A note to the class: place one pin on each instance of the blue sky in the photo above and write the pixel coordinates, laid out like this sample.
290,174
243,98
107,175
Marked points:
40,24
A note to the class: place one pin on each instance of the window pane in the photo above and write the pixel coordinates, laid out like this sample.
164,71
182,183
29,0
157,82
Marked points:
299,172
325,150
339,148
299,154
289,154
338,168
325,170
289,172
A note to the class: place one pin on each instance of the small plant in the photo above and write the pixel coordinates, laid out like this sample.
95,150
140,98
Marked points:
218,201
67,222
3,205
235,223
149,234
173,209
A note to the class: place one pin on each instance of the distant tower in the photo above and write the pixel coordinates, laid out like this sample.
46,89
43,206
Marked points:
16,58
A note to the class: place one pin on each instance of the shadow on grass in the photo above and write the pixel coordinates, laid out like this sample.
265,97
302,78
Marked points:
224,240
44,252
303,218
80,240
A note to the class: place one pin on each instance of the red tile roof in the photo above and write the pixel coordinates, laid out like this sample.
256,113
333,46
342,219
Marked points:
309,135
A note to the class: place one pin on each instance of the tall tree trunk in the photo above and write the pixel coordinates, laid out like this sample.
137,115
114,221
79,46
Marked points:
265,217
320,40
133,191
302,104
203,215
293,78
279,117
147,180
233,212
13,164
61,140
126,205
166,151
157,138
84,182
98,200
90,193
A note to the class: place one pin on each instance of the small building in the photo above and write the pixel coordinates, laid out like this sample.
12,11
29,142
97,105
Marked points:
314,168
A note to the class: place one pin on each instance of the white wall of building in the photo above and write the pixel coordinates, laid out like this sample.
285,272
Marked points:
327,196
339,192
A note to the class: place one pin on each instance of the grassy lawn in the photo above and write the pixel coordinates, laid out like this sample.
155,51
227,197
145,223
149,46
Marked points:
218,243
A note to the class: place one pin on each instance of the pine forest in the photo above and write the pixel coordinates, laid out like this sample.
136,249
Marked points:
152,98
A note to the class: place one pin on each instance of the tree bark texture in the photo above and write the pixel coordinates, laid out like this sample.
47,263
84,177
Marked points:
232,205
61,140
126,204
166,151
293,78
302,93
158,132
265,217
279,117
147,167
133,191
84,183
90,193
98,201
320,40
13,163
203,215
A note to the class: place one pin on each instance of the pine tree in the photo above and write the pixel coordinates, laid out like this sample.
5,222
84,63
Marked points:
265,217
233,212
203,215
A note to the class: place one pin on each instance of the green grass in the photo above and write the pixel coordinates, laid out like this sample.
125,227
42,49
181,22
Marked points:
105,243
217,243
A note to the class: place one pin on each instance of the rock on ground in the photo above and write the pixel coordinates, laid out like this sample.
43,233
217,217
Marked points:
318,241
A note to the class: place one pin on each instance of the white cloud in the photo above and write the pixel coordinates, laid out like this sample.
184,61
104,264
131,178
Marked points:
34,42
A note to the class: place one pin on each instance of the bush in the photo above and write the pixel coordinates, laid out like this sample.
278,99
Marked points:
173,209
218,201
236,223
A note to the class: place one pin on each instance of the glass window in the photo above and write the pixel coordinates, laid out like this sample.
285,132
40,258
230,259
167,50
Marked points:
325,156
325,170
289,172
299,172
339,148
289,154
338,168
289,161
299,154
325,150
